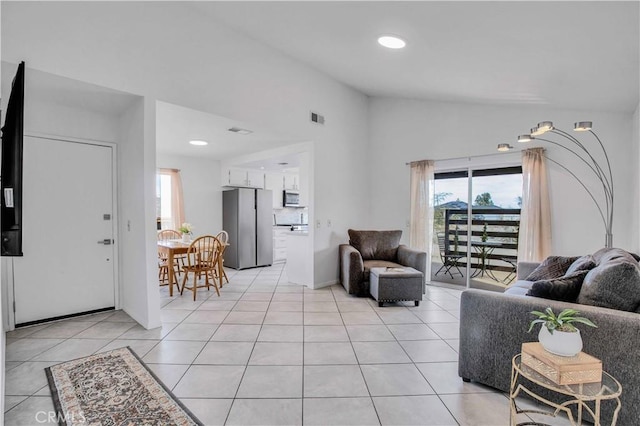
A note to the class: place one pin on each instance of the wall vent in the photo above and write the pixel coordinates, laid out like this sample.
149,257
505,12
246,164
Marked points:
317,118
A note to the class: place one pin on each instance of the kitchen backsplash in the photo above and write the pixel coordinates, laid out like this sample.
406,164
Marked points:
288,216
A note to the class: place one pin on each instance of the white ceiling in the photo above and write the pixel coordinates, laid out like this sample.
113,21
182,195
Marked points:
177,125
576,55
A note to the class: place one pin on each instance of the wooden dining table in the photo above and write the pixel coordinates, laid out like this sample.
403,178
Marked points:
171,248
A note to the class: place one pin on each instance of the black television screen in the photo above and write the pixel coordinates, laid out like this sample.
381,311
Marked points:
11,169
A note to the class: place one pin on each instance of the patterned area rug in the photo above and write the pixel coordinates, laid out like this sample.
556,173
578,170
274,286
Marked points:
113,388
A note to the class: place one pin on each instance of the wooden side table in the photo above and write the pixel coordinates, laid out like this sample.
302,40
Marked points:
585,396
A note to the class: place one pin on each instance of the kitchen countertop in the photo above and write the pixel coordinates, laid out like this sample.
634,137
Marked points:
298,233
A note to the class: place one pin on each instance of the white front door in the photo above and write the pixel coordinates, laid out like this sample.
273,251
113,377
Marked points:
68,227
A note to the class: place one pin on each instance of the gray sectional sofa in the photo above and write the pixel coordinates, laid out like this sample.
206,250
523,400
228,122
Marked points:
493,327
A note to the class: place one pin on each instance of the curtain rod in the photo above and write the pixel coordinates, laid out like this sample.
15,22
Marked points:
469,157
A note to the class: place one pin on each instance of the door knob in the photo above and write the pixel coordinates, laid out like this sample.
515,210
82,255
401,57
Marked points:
106,242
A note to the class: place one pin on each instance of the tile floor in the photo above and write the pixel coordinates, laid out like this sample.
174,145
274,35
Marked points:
268,352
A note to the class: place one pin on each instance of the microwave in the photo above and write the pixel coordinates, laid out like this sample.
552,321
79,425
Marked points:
290,198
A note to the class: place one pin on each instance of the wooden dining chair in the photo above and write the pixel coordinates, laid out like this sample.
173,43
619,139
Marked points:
202,260
223,237
171,234
163,262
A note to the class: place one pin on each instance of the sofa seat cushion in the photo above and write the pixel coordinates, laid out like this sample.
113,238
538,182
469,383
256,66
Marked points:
551,267
376,245
565,288
519,288
613,284
368,264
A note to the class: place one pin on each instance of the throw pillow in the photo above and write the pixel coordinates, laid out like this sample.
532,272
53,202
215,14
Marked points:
376,245
584,263
565,289
551,267
615,285
605,255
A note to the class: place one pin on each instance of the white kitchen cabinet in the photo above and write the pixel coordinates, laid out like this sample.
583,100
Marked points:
255,178
280,244
244,178
290,181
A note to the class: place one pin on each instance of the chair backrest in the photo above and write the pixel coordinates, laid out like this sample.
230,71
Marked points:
441,244
203,252
168,234
223,237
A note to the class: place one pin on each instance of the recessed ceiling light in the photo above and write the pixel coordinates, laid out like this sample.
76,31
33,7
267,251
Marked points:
392,42
199,143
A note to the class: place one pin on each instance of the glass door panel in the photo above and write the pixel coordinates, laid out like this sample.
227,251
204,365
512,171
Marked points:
476,245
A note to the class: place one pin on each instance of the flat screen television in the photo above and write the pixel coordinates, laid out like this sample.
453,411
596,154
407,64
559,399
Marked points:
11,169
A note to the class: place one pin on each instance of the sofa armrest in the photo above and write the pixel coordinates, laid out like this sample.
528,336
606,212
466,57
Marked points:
413,258
493,327
351,269
525,268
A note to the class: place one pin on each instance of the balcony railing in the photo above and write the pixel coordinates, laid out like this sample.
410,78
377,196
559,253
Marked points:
493,233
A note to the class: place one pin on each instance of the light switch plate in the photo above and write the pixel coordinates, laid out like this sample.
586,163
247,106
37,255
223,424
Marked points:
318,223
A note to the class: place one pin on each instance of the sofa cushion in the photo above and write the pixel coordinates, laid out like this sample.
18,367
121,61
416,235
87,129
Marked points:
565,288
551,267
613,284
584,263
368,264
519,288
376,245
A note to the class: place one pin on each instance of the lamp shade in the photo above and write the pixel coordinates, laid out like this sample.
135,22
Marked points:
525,138
545,126
582,126
504,147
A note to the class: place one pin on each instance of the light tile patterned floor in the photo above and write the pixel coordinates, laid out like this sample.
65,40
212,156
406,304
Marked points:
268,352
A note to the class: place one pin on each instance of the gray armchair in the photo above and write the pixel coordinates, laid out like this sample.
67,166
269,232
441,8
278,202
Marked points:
374,249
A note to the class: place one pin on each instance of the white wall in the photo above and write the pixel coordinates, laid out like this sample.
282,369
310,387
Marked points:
201,189
57,106
192,61
139,286
408,130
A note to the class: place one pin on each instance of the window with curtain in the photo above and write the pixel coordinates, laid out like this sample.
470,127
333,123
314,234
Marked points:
169,202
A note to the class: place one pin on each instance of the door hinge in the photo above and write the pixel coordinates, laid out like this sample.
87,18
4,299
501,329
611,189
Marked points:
14,306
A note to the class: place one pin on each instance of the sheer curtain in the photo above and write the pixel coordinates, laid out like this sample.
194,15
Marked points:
421,219
177,202
534,241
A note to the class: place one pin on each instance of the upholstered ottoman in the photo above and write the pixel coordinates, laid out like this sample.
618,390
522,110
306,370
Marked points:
396,284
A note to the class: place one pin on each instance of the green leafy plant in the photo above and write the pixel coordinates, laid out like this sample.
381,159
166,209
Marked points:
561,322
185,228
485,235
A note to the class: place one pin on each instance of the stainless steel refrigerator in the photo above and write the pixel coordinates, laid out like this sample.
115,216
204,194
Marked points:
247,215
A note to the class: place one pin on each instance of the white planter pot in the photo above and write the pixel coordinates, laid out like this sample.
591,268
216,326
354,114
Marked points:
186,238
560,342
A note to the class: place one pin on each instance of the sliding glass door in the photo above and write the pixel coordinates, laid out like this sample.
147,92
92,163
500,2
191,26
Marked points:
476,222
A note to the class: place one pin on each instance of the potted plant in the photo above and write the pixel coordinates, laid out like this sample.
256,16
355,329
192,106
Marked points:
186,229
557,334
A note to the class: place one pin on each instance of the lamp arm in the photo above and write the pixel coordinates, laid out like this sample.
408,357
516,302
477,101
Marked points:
602,175
595,171
607,193
607,158
586,189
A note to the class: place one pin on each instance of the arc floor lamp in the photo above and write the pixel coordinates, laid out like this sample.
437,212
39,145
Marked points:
601,171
